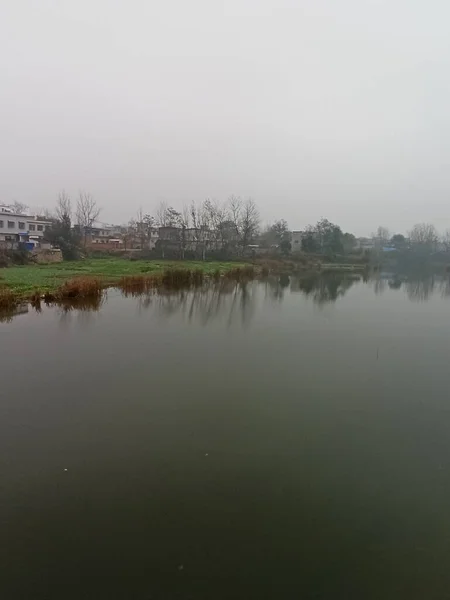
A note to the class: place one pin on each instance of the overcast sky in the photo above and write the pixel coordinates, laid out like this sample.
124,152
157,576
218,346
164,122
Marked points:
335,108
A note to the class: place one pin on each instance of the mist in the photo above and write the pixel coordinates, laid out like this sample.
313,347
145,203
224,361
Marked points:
312,108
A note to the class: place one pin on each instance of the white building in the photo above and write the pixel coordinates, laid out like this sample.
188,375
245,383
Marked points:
296,241
365,244
16,228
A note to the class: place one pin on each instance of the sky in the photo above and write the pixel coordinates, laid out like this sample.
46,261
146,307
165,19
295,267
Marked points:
314,108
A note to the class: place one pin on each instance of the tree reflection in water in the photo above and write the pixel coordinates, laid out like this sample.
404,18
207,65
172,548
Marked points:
232,301
236,302
324,288
276,286
419,289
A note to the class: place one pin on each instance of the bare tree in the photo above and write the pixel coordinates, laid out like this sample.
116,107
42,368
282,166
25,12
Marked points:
202,224
218,218
423,238
446,240
235,209
127,235
249,222
44,212
381,237
61,233
63,209
19,207
161,214
87,213
245,218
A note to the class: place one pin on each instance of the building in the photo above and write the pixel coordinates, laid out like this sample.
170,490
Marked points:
102,233
153,237
364,244
296,240
16,229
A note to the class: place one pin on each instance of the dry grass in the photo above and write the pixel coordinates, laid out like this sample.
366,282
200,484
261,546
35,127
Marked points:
80,287
35,300
176,278
197,276
135,285
86,292
241,273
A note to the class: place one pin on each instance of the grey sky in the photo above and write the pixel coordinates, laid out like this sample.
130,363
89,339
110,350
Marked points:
336,108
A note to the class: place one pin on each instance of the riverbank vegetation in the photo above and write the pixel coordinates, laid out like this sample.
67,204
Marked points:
25,280
88,278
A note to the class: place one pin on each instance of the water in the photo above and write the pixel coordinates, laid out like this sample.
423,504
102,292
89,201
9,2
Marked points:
281,439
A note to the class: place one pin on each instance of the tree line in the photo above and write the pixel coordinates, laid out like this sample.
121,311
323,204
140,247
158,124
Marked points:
233,226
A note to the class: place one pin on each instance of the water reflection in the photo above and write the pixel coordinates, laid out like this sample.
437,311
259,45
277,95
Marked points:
235,302
232,302
420,289
7,314
324,288
276,286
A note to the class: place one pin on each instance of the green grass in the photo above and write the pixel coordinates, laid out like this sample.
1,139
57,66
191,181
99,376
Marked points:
25,280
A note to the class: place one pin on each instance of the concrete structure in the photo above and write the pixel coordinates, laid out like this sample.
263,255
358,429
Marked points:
296,241
102,233
364,244
153,237
15,228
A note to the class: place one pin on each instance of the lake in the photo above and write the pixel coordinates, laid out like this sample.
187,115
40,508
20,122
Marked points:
287,438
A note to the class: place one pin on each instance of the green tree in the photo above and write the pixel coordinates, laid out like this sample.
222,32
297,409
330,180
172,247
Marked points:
285,247
398,240
310,243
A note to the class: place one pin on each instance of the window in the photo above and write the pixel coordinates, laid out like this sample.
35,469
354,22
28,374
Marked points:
40,228
11,225
32,227
21,225
2,224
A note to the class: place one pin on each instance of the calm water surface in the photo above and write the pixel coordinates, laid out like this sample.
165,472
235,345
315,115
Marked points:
280,439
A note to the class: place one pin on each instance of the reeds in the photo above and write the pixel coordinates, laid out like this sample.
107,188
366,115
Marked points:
8,299
35,300
176,278
136,285
80,287
241,273
87,292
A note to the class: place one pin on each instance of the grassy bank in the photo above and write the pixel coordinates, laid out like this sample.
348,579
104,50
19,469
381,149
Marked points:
24,281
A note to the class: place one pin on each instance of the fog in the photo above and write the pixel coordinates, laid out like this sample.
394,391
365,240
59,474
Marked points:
312,107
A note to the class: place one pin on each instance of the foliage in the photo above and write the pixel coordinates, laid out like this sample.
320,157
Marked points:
323,238
285,247
276,234
398,240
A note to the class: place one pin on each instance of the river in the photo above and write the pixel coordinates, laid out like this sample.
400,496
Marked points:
287,438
